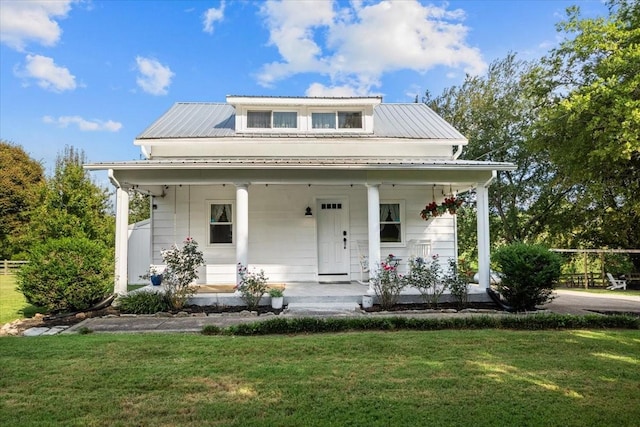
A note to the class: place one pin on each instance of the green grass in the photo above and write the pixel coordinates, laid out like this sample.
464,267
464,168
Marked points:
480,378
13,305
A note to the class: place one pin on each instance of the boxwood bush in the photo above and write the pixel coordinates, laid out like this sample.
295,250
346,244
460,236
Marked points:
67,274
528,274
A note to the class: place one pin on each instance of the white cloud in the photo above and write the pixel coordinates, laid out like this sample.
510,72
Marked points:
320,90
47,74
154,78
211,16
356,45
24,21
83,124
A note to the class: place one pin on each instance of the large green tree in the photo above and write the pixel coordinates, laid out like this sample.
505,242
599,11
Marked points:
497,115
590,122
72,205
21,177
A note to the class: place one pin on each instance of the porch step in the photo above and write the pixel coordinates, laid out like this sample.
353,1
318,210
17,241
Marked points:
320,308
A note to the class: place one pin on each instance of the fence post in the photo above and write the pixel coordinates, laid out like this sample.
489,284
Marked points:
6,267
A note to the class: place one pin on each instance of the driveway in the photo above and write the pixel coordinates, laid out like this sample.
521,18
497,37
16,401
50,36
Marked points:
575,302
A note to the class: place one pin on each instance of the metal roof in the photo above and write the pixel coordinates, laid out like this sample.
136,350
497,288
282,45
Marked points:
294,163
215,120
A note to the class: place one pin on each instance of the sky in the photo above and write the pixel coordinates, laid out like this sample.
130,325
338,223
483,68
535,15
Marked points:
95,74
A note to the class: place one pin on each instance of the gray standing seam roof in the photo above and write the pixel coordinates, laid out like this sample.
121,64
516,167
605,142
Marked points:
215,120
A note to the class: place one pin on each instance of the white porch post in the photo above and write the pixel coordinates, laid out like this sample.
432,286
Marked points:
482,199
242,226
122,240
373,198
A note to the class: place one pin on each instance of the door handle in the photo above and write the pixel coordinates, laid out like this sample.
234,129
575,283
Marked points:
345,242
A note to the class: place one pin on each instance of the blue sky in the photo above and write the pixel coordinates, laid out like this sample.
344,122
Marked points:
94,74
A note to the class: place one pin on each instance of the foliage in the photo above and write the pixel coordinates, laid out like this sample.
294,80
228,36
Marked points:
20,180
457,283
139,206
306,325
67,274
71,205
426,278
252,286
145,302
528,274
497,114
276,292
590,122
181,271
387,283
450,204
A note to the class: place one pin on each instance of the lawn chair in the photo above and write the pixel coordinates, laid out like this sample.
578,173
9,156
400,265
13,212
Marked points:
616,283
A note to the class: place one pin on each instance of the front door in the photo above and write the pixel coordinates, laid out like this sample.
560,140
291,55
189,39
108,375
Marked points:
333,240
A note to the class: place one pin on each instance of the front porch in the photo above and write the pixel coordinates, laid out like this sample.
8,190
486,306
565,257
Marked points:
310,294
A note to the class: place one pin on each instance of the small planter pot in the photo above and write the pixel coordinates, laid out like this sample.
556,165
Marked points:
367,301
156,279
277,302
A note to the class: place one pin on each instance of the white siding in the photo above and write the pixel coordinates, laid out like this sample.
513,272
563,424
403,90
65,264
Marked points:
282,240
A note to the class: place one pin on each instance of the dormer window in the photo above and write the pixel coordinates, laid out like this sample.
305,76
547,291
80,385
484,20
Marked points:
343,120
272,119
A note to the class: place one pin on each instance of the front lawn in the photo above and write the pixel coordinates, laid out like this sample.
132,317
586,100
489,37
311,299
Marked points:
472,377
13,305
628,291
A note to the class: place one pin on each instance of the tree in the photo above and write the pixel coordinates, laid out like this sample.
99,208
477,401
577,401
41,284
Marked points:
590,122
139,206
20,180
71,205
496,115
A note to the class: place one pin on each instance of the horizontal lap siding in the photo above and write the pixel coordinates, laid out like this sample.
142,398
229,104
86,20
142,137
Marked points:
282,240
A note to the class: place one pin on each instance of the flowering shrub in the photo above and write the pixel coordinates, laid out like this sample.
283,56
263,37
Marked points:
450,204
181,271
426,277
457,282
252,286
387,283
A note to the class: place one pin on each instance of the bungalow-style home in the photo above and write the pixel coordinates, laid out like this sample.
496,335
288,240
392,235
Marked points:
307,189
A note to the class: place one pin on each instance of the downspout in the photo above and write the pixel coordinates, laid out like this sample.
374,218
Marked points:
113,179
145,152
458,152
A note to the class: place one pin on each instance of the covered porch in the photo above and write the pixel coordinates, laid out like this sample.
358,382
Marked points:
366,183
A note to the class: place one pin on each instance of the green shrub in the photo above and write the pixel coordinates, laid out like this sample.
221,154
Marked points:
387,283
145,302
303,325
252,286
67,274
528,274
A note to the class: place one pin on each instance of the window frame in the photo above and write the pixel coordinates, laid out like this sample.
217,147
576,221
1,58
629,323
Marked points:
271,120
336,120
401,222
232,222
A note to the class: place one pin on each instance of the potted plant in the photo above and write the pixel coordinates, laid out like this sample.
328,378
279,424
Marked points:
277,298
154,274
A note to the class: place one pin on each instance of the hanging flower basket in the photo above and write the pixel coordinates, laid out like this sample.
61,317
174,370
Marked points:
450,204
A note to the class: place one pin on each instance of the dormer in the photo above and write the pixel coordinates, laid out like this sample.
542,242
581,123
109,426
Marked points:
279,115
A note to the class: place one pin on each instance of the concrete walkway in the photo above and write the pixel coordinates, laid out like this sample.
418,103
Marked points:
566,302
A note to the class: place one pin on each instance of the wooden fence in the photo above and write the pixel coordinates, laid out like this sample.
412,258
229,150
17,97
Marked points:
10,267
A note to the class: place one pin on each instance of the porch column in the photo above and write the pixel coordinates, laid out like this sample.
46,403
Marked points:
242,226
482,200
122,240
373,197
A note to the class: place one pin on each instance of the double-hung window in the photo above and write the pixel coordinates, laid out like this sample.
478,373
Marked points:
391,214
272,120
220,223
337,120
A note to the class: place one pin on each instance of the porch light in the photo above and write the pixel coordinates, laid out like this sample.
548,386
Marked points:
308,212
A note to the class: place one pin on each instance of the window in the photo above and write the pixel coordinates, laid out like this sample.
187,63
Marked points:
343,119
390,223
220,223
272,119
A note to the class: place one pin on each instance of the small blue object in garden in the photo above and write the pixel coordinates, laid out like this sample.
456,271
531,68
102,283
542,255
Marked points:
156,279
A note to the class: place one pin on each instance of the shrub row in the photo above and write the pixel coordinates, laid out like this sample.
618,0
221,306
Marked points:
300,325
145,302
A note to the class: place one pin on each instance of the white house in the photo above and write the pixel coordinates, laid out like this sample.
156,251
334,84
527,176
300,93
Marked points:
304,188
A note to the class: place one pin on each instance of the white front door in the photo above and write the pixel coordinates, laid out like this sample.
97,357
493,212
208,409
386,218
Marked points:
333,240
